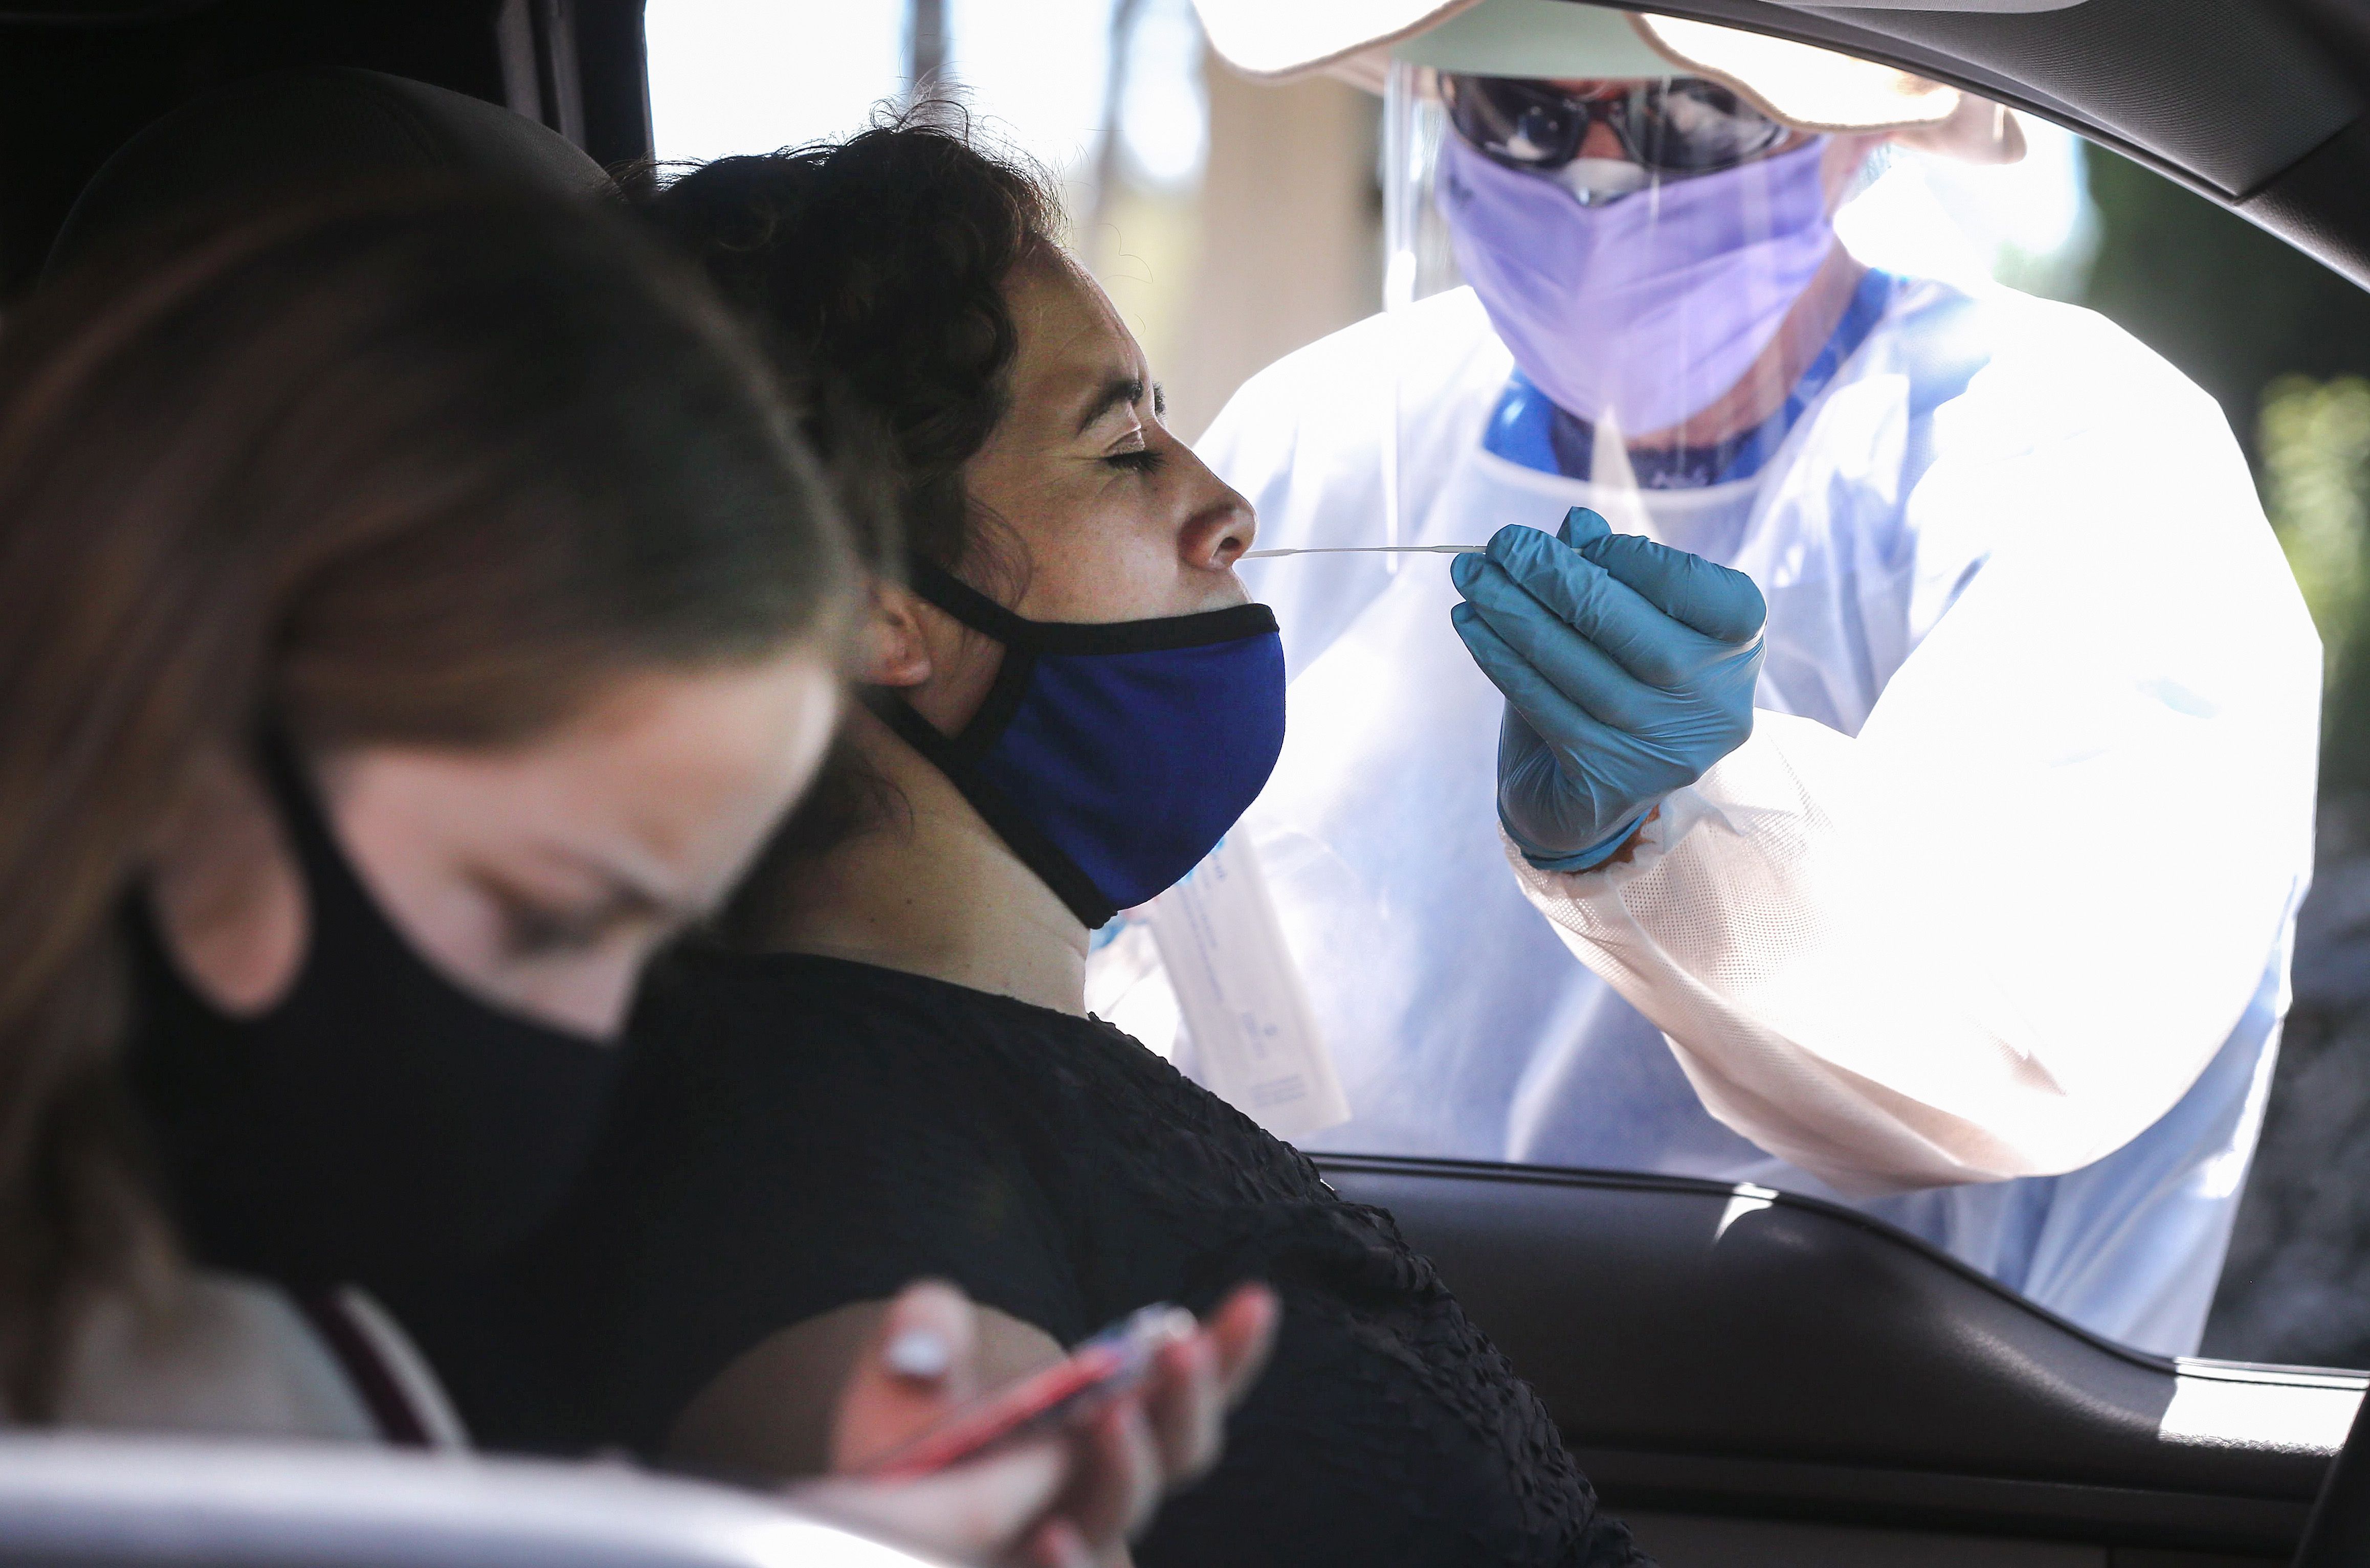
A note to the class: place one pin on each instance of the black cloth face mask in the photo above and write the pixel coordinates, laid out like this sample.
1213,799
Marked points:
379,1125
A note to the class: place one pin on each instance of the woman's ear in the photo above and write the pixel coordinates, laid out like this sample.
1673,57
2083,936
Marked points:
890,647
225,889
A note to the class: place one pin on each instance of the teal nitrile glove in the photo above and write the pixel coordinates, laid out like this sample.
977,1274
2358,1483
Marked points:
1627,667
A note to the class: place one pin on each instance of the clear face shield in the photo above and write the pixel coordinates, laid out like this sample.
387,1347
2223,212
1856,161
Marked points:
1657,256
1608,288
1634,246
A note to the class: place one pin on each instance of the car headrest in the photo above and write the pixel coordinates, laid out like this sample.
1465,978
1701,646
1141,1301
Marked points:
305,130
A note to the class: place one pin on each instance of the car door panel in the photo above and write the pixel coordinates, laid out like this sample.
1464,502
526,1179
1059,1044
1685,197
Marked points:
1720,1352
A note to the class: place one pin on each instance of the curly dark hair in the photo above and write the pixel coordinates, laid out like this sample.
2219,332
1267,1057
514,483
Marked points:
877,266
873,273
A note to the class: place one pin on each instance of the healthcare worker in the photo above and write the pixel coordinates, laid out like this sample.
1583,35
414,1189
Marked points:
1962,890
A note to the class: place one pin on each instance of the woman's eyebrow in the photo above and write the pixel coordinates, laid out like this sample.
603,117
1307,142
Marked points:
1121,391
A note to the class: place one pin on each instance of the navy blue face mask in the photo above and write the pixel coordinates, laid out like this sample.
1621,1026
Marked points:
1111,756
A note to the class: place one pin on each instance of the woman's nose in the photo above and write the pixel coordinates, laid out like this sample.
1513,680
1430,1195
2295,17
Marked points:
1220,532
1219,525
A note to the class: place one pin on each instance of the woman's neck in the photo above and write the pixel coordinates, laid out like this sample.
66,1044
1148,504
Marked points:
933,891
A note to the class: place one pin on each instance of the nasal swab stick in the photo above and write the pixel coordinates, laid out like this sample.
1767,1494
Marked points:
1369,550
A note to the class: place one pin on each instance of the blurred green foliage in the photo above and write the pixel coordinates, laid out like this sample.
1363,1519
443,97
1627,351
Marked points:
2233,306
2314,437
2284,345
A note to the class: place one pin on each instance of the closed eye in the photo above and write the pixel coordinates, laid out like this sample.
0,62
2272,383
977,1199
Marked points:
538,925
531,931
1143,460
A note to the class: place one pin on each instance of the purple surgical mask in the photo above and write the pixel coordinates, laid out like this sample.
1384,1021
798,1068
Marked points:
1649,307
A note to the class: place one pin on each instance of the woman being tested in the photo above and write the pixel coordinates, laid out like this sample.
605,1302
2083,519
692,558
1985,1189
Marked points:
891,1071
412,612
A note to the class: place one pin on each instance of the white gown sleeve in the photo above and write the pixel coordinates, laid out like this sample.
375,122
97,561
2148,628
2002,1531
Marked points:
2000,931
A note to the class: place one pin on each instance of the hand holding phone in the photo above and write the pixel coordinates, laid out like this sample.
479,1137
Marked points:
1049,1502
1063,1396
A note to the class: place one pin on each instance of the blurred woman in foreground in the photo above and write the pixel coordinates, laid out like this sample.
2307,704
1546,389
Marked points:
413,612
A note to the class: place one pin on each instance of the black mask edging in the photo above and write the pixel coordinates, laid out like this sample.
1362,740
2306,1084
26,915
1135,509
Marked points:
1077,891
981,614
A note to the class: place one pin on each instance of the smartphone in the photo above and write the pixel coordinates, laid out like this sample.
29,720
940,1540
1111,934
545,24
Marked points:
1067,1393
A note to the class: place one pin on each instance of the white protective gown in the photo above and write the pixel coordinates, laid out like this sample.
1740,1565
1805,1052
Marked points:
1985,929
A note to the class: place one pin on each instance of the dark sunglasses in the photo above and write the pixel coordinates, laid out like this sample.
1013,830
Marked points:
1680,126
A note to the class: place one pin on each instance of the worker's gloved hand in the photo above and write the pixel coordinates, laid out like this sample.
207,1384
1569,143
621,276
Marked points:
1627,667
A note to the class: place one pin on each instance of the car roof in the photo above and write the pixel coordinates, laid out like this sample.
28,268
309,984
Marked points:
2256,104
78,78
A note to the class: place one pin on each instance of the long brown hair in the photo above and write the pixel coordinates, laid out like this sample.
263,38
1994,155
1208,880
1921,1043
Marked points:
422,467
880,264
